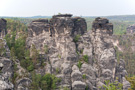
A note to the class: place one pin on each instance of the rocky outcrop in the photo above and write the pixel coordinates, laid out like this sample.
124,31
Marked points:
131,29
3,30
81,59
6,67
104,53
10,79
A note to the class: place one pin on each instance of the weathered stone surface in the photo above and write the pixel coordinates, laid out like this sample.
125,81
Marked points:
104,52
6,67
103,24
6,74
131,29
126,84
64,53
78,85
23,84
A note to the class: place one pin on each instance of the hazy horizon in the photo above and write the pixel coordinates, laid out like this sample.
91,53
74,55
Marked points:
29,8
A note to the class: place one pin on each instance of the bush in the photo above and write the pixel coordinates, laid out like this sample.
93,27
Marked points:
57,70
79,64
46,49
30,68
132,82
76,38
112,86
84,76
46,82
86,58
87,87
66,88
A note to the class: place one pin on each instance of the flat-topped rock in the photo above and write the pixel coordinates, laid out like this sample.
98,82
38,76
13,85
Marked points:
41,20
58,26
62,15
102,23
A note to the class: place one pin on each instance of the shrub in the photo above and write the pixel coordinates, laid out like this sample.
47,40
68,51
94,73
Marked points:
77,52
46,82
87,87
59,56
66,88
81,51
86,58
46,49
84,76
79,64
30,68
76,38
112,86
57,70
132,82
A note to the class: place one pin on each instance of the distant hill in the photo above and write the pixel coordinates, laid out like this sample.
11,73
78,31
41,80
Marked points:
116,17
33,17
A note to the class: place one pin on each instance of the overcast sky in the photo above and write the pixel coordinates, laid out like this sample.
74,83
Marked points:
75,7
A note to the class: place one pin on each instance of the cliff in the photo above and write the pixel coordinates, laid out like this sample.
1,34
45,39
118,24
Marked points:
81,59
73,53
130,29
3,30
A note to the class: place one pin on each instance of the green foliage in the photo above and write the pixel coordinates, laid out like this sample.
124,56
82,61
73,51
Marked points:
27,62
79,64
84,76
15,74
57,70
46,82
46,49
125,51
66,88
12,54
17,46
30,67
86,58
76,38
77,52
112,86
34,54
59,13
87,87
2,49
81,51
78,20
132,82
59,56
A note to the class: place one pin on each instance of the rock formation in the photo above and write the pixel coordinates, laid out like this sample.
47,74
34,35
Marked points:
131,29
6,67
81,59
3,27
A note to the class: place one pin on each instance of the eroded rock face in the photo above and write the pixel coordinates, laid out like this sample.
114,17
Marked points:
131,29
68,42
3,31
104,52
6,67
